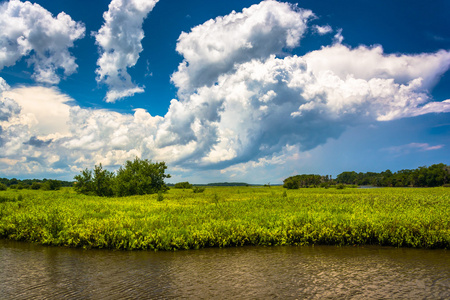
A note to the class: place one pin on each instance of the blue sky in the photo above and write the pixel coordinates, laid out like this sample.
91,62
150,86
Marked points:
226,90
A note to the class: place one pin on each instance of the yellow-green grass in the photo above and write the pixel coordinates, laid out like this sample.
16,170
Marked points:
230,216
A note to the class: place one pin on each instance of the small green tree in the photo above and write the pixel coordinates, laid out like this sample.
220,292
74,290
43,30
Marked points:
290,183
100,182
84,182
137,177
3,187
141,177
103,182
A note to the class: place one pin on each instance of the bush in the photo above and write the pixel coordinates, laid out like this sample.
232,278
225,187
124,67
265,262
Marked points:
197,189
304,181
183,185
18,186
140,177
325,185
103,182
51,185
84,183
160,197
3,187
100,182
291,184
36,185
137,177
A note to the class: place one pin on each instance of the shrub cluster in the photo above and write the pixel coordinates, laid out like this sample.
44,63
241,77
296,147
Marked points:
47,185
138,177
186,185
183,185
197,189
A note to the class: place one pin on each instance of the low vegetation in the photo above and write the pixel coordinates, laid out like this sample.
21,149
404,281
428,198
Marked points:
229,216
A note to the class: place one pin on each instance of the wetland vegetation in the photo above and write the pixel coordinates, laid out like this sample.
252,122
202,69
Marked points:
229,216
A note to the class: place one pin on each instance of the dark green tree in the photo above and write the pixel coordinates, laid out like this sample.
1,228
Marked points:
51,185
84,183
304,181
103,182
183,185
290,183
36,185
141,177
100,182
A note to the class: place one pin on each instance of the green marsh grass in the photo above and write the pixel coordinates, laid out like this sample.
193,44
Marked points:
230,216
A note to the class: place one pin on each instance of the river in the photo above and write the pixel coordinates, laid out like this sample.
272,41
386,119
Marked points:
30,271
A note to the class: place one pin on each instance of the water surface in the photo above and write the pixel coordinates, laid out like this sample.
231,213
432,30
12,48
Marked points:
29,271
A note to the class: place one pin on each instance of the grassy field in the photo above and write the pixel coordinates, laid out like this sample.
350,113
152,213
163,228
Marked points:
230,216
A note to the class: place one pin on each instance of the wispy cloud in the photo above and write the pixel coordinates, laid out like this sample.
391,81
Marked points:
322,30
437,38
411,148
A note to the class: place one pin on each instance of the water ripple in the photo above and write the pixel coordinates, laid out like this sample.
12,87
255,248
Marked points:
36,272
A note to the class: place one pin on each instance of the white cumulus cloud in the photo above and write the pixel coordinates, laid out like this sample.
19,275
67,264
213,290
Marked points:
28,29
46,106
4,86
213,48
119,40
371,62
263,105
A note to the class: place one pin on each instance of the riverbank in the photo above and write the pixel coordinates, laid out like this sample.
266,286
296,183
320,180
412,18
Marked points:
230,216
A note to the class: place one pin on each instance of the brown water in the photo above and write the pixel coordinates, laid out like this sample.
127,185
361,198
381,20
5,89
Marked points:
29,271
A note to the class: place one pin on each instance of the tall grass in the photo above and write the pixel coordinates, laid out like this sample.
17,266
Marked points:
230,216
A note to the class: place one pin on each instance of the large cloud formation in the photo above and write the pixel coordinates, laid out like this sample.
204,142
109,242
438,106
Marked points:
257,105
119,41
29,29
213,48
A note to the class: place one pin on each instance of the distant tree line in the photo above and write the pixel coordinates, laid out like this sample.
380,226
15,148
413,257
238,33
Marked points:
435,175
138,177
228,184
34,184
307,180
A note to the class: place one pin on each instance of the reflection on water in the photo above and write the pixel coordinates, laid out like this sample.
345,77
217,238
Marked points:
30,271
